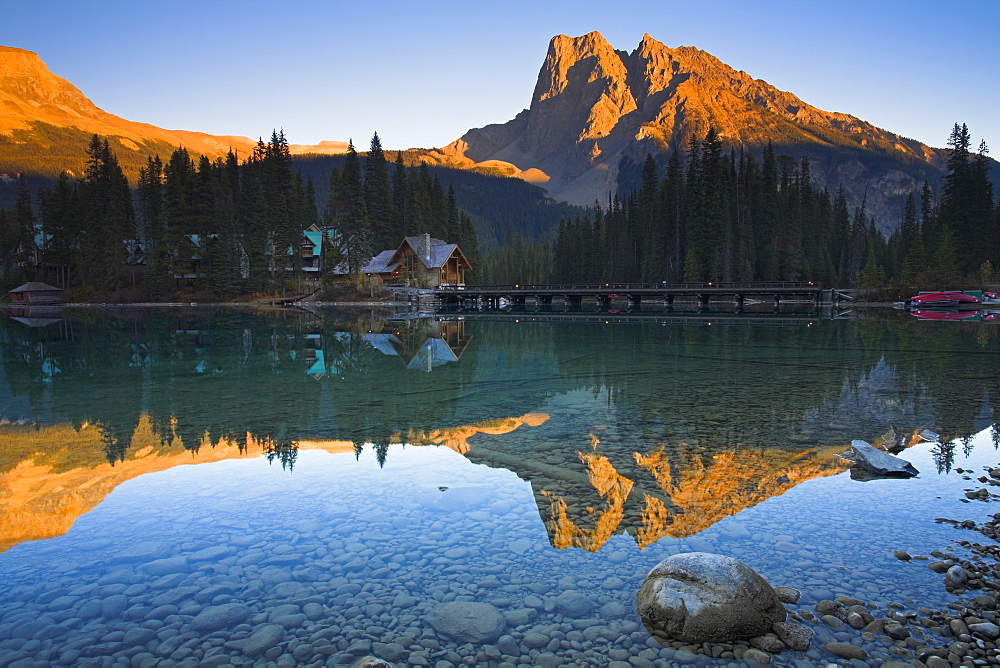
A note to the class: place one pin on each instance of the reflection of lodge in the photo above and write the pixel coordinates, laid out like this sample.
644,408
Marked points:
422,345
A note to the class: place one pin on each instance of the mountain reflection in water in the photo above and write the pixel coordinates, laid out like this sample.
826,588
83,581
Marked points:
649,429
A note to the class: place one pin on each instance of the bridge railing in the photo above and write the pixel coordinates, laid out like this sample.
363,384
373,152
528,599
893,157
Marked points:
628,287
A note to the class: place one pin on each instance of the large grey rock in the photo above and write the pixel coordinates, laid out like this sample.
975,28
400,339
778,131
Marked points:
220,617
574,604
956,576
986,629
873,462
702,597
788,595
262,639
468,621
145,551
796,636
169,566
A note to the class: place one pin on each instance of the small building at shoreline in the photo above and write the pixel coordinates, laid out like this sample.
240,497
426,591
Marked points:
419,261
35,292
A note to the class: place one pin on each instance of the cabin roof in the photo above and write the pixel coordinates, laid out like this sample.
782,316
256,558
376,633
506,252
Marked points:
316,239
381,263
436,350
440,251
36,286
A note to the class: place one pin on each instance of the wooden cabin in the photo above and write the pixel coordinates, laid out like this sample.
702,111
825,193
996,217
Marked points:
36,293
420,261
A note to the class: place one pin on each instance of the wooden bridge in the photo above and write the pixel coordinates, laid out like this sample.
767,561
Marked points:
641,318
637,293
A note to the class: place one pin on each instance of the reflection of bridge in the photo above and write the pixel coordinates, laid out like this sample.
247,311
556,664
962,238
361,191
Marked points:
662,318
636,293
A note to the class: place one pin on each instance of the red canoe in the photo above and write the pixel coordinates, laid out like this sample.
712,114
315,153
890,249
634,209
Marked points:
943,299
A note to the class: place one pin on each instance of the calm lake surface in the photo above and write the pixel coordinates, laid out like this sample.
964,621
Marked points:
205,486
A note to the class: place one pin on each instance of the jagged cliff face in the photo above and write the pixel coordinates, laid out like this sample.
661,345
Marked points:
30,93
594,106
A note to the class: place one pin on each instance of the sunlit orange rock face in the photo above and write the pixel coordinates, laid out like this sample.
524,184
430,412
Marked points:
31,93
54,474
676,493
613,489
704,493
67,475
595,106
457,438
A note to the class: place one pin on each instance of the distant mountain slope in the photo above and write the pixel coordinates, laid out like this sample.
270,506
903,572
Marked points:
46,122
499,206
31,94
596,112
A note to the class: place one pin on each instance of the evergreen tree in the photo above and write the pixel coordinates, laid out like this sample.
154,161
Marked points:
648,242
8,277
379,198
452,227
151,221
401,201
672,243
24,230
967,203
108,217
914,269
353,223
60,218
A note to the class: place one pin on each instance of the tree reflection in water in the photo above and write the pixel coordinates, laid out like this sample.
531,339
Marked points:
670,410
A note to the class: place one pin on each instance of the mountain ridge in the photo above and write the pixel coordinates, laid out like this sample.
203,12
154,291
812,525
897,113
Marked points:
594,114
30,93
596,110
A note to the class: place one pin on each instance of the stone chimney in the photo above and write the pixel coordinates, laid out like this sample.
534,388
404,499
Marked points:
425,248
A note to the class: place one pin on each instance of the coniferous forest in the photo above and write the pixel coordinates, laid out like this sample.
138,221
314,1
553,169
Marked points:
224,228
722,216
217,229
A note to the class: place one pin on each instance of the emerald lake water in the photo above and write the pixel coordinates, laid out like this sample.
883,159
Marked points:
207,486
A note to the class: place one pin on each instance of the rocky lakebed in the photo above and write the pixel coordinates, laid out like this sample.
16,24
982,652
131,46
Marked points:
228,564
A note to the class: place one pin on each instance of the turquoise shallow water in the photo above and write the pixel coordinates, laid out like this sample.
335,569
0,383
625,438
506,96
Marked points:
229,488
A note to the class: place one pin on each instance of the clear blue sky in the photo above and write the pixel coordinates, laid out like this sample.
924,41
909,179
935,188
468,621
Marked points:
421,73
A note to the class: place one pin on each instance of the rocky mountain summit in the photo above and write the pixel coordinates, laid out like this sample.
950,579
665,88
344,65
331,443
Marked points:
30,94
597,111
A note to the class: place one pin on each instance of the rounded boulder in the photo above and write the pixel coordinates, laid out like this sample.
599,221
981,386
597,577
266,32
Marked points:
468,621
700,597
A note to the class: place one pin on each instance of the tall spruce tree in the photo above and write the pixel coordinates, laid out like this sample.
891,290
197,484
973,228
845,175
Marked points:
109,219
24,230
151,223
967,202
353,221
401,200
60,216
379,198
